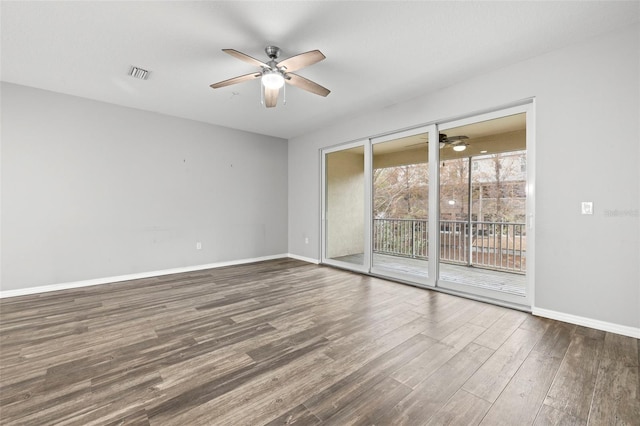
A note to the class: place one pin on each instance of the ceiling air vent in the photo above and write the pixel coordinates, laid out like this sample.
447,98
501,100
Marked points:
139,73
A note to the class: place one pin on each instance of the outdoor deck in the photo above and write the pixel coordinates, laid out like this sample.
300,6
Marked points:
506,282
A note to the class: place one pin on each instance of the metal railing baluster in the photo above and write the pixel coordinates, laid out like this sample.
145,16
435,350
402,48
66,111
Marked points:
498,246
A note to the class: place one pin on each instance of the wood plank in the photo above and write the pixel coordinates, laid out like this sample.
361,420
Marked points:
572,389
621,348
548,416
332,399
433,393
271,392
556,340
462,409
362,347
298,416
521,399
201,403
490,379
447,321
500,330
370,405
590,333
489,315
423,365
463,335
615,399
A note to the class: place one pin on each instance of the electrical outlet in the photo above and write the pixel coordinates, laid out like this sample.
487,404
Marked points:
198,245
587,207
306,240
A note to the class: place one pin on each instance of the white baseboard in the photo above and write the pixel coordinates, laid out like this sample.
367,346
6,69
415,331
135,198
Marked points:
107,280
588,322
304,259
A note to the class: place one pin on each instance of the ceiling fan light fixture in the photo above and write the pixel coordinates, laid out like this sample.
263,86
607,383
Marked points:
272,80
459,148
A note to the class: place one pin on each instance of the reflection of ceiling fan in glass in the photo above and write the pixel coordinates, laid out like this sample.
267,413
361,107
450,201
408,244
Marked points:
456,142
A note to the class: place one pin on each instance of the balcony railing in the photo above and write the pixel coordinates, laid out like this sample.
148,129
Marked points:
490,245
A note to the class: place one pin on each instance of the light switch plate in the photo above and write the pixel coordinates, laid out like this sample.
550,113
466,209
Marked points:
587,207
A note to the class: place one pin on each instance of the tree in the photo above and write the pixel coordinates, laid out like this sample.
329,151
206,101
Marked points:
454,182
498,189
501,184
401,192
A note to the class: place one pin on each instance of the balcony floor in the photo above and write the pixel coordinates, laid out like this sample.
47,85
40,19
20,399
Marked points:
505,282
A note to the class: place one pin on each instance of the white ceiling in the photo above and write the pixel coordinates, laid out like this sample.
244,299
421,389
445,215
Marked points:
378,53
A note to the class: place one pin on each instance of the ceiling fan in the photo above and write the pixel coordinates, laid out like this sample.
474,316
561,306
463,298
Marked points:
274,74
456,142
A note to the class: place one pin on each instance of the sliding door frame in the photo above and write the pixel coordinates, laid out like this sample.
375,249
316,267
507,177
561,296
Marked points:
429,281
433,129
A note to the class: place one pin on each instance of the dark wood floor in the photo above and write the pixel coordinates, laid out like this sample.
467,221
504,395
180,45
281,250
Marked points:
285,342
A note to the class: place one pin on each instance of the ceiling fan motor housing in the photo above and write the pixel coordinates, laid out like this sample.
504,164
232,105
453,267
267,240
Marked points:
272,51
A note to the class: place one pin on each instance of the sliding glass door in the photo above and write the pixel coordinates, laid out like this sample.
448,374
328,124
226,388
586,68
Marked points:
449,205
400,212
483,179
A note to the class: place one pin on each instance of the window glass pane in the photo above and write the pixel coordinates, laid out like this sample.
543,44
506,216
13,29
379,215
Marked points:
401,206
345,205
483,183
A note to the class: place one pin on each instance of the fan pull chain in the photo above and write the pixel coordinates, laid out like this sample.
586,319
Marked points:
261,93
284,94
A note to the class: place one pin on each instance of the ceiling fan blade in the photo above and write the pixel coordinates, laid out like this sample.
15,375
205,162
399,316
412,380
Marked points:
271,97
452,139
235,80
307,85
245,58
302,60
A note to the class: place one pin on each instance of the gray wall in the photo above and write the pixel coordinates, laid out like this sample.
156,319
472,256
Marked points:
587,149
94,190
